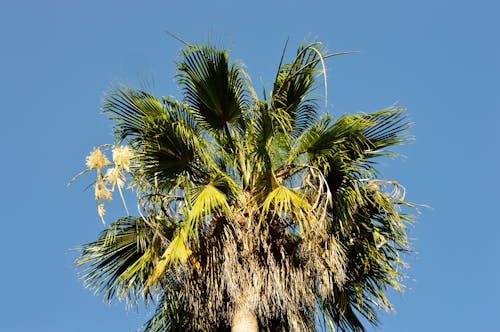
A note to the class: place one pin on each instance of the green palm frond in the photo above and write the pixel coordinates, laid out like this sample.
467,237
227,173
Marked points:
169,148
343,142
310,142
387,127
259,134
373,231
119,262
360,135
165,136
344,148
214,89
292,102
132,109
285,202
204,202
177,252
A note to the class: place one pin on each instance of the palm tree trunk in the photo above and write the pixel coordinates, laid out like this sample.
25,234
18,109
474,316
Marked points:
244,321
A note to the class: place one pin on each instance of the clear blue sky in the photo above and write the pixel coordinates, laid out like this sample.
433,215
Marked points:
441,59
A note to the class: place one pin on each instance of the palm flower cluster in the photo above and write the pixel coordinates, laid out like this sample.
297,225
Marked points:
255,212
114,176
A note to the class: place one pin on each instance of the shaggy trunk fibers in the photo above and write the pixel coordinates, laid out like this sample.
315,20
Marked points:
260,276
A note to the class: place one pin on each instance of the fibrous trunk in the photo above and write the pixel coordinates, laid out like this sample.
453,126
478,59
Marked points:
244,321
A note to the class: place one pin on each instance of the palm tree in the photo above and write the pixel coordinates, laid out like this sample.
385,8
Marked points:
254,214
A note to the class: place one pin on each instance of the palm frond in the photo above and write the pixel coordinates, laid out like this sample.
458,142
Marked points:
119,262
214,88
205,201
373,231
176,253
164,135
282,202
258,137
132,109
388,127
292,102
343,149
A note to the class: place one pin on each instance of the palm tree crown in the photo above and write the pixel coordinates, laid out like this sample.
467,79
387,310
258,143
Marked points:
249,207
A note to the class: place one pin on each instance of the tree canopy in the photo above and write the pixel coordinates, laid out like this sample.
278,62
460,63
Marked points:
261,205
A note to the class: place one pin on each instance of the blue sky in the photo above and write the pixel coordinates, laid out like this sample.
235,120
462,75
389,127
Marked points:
440,59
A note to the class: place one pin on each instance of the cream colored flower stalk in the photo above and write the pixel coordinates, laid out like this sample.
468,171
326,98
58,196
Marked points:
114,177
122,156
101,212
96,159
101,191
